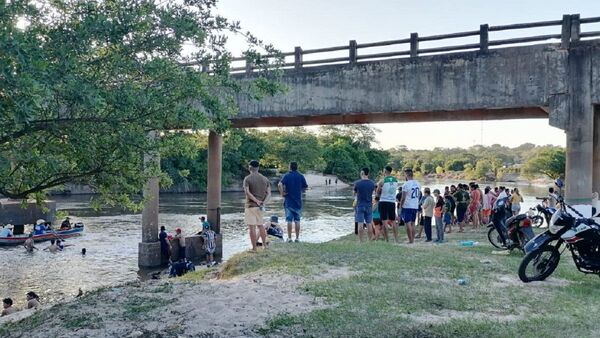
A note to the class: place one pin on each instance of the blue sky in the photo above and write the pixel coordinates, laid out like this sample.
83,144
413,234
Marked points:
314,23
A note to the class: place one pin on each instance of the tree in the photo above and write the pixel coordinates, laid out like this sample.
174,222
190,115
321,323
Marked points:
547,161
83,83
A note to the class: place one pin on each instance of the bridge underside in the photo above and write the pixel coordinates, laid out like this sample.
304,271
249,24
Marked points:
394,117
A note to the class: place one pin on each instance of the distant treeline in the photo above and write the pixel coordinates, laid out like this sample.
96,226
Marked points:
343,150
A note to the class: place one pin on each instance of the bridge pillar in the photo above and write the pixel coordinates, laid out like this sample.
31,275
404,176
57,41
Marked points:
596,153
580,134
149,249
213,204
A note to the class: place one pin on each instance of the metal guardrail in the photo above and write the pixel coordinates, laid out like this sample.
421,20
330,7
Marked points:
570,32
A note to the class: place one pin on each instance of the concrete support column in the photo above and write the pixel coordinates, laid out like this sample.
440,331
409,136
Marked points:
580,134
215,154
596,151
149,248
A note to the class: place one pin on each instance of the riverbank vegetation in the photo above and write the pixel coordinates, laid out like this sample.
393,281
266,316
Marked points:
343,150
340,289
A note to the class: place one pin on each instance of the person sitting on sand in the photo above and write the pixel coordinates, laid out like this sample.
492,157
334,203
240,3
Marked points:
29,244
273,228
7,307
53,248
33,301
209,244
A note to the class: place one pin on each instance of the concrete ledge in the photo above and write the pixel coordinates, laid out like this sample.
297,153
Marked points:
194,251
149,255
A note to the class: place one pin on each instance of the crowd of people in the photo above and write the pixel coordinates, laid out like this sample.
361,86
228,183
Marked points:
385,205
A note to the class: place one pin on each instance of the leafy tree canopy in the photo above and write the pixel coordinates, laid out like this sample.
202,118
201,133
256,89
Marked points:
82,83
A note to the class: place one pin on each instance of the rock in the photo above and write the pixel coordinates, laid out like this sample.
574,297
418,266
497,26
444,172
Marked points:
136,334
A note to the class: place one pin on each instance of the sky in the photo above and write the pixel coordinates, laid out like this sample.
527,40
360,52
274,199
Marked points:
324,23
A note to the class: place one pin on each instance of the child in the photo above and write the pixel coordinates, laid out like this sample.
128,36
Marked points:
7,307
448,213
377,225
273,228
179,236
208,236
203,222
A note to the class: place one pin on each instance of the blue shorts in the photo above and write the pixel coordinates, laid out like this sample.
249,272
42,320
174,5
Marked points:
447,218
292,215
409,215
363,214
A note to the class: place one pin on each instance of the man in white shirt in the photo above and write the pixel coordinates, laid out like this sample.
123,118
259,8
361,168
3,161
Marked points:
410,203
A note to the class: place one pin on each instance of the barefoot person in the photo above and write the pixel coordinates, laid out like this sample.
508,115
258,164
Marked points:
386,191
410,203
363,190
258,190
291,187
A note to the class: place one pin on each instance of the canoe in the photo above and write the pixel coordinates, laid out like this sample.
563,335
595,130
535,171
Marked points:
20,239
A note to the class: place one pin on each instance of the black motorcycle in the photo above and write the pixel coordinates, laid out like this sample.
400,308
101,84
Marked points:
542,214
580,235
517,232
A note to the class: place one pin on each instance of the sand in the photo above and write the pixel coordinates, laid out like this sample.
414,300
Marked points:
174,308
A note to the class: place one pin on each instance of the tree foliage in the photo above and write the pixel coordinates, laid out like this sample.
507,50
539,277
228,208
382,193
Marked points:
550,162
82,83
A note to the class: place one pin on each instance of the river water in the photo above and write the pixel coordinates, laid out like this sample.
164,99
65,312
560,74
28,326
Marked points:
111,239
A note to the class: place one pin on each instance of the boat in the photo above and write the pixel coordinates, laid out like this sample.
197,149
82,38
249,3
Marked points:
76,230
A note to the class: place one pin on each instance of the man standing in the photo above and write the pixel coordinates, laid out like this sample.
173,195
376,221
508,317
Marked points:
386,191
428,204
410,203
291,187
462,203
258,190
363,190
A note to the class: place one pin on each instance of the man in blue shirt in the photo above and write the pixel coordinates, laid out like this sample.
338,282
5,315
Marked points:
363,191
291,187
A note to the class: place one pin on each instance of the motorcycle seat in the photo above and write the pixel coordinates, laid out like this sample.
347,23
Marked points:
516,218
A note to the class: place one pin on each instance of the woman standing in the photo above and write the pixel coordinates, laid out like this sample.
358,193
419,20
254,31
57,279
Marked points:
487,205
475,205
515,200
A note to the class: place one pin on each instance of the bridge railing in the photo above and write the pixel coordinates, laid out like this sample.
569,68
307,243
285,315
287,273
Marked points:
570,31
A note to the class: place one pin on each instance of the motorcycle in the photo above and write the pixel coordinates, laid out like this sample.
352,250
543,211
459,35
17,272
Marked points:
518,233
581,236
542,214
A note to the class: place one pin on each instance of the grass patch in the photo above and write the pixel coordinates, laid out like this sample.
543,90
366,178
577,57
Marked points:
413,291
196,276
136,307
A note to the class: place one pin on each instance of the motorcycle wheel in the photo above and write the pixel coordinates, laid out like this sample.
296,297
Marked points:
539,264
537,221
495,239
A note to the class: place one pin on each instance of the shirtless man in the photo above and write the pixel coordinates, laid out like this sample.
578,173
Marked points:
7,307
29,244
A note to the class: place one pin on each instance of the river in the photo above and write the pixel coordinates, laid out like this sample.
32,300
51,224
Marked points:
111,239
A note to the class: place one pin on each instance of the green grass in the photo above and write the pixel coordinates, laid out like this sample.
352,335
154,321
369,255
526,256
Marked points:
135,307
394,286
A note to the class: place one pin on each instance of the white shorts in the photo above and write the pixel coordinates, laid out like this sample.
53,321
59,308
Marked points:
253,216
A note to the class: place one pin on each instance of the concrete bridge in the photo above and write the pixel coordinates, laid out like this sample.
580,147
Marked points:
491,79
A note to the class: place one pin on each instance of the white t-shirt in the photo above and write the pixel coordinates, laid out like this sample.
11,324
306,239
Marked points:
5,232
412,189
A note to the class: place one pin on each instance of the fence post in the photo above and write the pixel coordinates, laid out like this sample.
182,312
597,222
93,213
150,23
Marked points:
575,27
565,35
484,38
297,57
414,45
248,66
352,52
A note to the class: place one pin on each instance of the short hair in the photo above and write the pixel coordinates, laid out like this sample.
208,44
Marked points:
551,190
32,295
52,241
293,166
7,301
388,169
427,191
254,164
162,227
365,170
202,218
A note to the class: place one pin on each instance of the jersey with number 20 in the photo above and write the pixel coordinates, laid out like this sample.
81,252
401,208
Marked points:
412,189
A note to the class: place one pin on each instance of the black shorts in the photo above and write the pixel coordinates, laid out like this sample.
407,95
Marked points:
387,210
